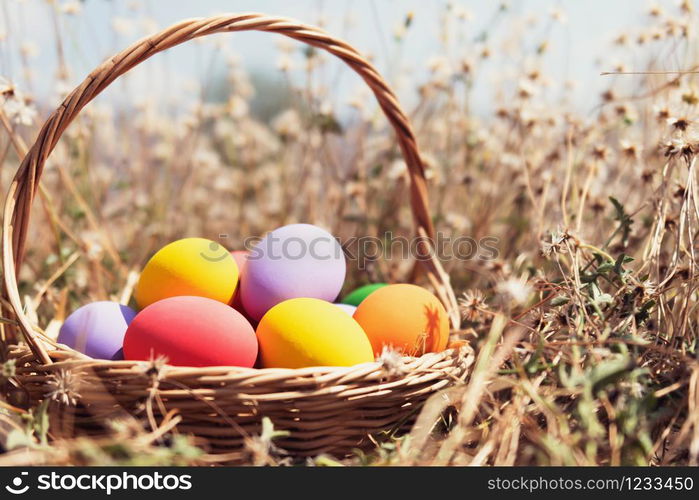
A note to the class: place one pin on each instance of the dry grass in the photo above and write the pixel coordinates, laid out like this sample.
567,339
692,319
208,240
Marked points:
586,323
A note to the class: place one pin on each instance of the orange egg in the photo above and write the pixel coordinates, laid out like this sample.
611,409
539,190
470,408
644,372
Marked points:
405,317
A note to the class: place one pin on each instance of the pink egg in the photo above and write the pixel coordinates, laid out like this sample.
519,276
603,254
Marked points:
191,331
240,257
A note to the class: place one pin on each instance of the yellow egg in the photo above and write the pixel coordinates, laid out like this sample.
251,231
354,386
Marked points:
191,266
305,332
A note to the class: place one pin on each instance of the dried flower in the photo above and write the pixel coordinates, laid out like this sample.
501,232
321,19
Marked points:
679,146
472,305
655,11
525,89
681,123
558,15
557,242
690,97
391,362
237,106
287,124
153,368
63,387
16,105
515,290
599,152
285,63
71,8
630,150
662,114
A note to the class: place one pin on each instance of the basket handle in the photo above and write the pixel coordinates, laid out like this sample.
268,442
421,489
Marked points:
26,181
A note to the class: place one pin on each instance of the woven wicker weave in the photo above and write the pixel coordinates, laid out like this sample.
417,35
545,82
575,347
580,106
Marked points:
326,409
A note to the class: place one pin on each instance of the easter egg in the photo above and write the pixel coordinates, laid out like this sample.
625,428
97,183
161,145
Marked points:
347,308
298,260
97,329
190,266
405,317
305,332
191,331
240,257
356,296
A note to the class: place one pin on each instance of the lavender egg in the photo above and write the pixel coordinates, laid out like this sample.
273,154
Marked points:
348,308
97,329
298,260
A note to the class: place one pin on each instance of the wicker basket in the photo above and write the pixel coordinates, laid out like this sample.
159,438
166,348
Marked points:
326,410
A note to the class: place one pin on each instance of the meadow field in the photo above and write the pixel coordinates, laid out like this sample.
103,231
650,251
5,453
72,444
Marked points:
579,298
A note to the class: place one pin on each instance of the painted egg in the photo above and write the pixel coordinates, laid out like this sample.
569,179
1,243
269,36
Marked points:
191,331
347,308
356,296
298,260
405,317
191,266
310,332
240,257
97,329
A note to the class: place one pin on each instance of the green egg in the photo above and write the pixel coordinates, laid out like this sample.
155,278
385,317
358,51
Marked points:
361,293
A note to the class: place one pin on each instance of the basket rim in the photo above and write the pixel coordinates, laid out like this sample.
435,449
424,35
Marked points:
70,358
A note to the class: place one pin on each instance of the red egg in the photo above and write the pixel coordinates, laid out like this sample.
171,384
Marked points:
191,331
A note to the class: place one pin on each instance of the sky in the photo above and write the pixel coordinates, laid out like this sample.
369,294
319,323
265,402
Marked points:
578,48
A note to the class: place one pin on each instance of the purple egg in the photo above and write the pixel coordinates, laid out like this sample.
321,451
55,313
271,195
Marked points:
349,309
298,260
97,329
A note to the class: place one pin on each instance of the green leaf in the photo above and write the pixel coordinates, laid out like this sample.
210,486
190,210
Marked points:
8,368
605,268
643,314
561,300
609,372
18,439
41,421
603,299
619,264
268,433
326,123
624,219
